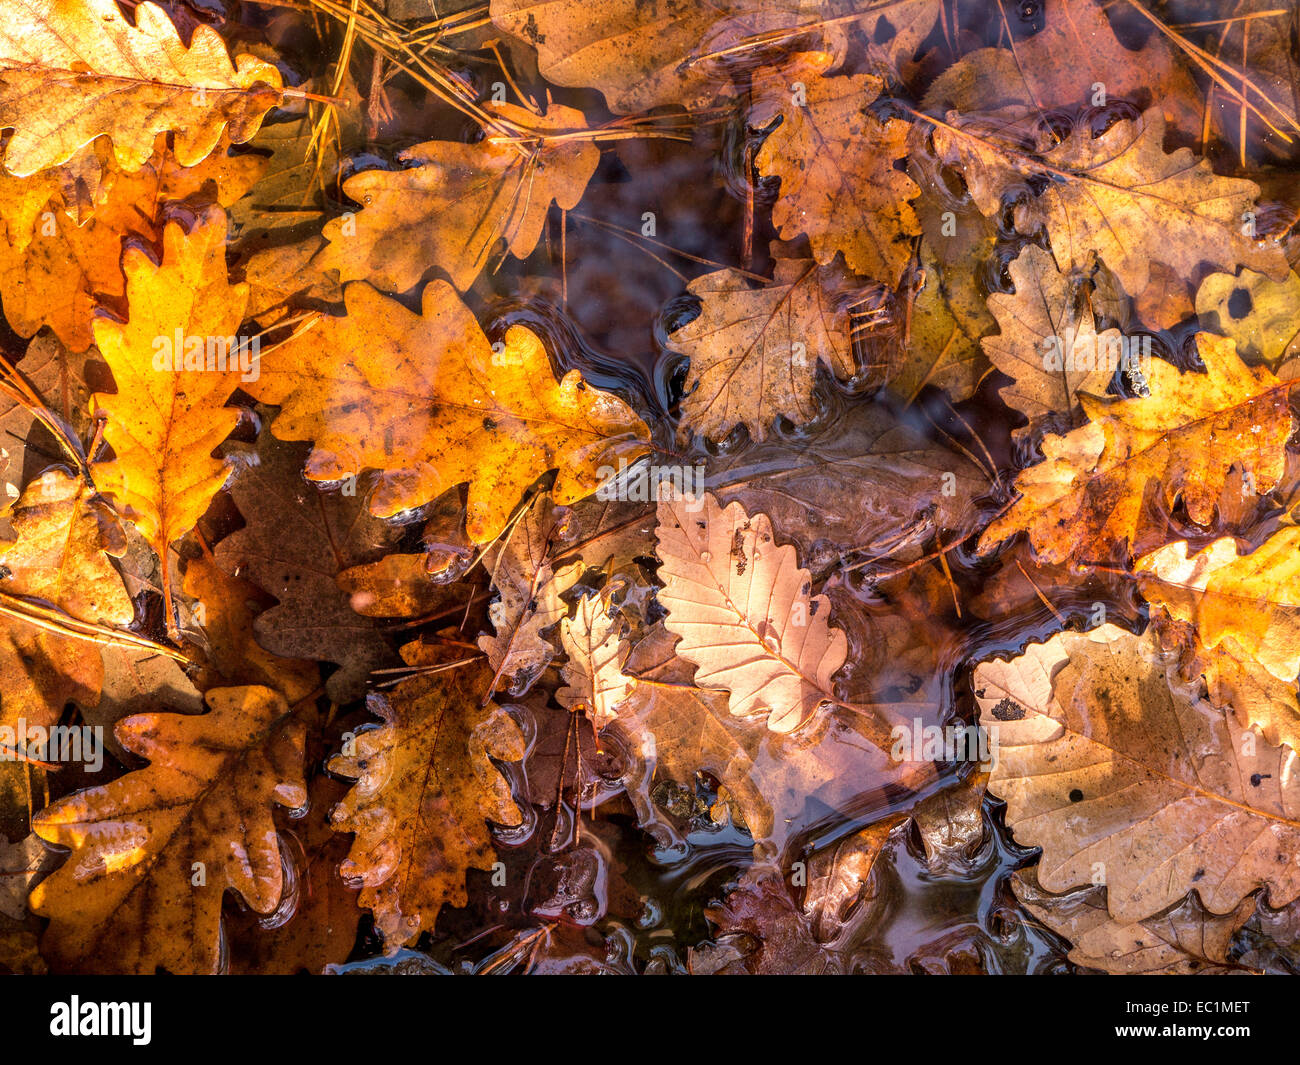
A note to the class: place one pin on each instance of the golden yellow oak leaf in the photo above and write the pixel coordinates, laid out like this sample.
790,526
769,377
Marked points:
1089,494
58,268
155,851
1122,199
426,788
428,401
1252,597
1106,755
163,423
71,70
744,612
593,676
452,202
1261,315
836,161
1048,342
754,351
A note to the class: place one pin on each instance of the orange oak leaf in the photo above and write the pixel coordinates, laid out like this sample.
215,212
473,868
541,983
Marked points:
836,161
70,72
426,788
452,202
1088,495
155,851
428,401
58,266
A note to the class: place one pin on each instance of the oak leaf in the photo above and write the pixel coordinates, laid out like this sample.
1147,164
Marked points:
744,611
70,72
1240,613
163,424
427,400
452,202
639,53
528,589
595,683
863,481
331,532
1252,597
1183,941
1107,755
1089,494
1126,201
127,900
1062,65
426,787
59,267
230,607
835,160
1260,314
754,352
1047,342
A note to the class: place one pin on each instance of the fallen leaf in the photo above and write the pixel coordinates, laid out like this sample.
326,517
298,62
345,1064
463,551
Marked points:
595,684
332,532
426,787
835,160
744,612
154,852
1184,941
71,72
1048,342
1088,496
452,202
754,352
1122,183
1116,767
428,401
528,590
163,424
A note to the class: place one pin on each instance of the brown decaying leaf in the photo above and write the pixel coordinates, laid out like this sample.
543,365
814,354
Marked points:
1117,767
528,596
154,852
1047,341
427,400
331,532
70,72
1062,65
426,788
745,612
637,52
